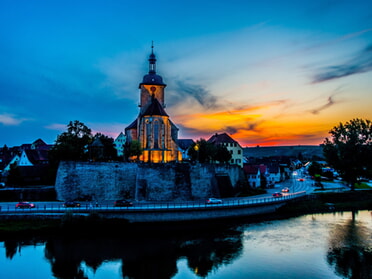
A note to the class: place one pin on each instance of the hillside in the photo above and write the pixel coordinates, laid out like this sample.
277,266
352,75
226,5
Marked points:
307,151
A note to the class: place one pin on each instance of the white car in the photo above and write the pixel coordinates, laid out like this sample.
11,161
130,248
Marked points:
213,201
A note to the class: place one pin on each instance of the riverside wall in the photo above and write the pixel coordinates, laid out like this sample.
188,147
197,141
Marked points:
151,182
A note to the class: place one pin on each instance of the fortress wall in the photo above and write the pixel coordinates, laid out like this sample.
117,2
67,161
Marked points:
152,182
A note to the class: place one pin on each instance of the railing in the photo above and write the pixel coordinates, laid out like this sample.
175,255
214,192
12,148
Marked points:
152,206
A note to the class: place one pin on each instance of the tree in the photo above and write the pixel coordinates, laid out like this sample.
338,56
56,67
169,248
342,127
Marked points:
73,144
222,155
315,168
109,151
202,151
134,149
349,151
14,176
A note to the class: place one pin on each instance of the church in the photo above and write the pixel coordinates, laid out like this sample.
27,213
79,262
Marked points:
153,129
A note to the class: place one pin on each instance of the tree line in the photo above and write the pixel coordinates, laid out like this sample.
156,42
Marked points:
348,149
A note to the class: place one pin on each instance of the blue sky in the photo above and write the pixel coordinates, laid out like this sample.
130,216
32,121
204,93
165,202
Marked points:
266,72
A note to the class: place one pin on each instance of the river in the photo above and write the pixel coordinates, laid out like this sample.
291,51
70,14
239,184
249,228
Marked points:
332,245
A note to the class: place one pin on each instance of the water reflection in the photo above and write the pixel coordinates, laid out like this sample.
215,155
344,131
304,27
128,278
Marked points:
350,249
315,246
142,256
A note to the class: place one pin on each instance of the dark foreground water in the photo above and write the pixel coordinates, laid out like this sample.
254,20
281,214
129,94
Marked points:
320,246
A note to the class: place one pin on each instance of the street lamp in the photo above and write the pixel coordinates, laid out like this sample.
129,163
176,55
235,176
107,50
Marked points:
196,148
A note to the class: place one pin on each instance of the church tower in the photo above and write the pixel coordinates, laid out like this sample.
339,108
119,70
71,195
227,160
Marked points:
153,129
152,85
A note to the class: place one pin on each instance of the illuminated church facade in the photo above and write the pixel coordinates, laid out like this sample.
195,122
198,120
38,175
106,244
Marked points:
153,129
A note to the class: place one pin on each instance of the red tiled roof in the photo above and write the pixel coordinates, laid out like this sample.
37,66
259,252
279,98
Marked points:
253,169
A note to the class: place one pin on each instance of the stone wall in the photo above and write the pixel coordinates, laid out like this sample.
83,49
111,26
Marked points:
152,182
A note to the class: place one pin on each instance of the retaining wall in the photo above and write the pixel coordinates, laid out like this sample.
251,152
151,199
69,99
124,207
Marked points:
138,181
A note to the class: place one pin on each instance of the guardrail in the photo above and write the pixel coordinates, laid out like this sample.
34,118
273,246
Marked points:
152,206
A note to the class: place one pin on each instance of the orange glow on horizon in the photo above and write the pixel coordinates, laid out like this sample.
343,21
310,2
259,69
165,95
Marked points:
250,128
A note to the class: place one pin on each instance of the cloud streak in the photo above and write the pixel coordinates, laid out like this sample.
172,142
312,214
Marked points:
329,103
197,92
10,120
361,63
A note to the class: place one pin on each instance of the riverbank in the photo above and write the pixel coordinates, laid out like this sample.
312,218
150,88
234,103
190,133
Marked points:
329,201
94,224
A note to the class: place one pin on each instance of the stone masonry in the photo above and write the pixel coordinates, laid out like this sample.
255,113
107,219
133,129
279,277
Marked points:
138,181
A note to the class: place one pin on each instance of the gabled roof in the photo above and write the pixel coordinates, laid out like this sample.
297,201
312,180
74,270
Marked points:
37,156
221,138
155,108
184,144
250,169
254,169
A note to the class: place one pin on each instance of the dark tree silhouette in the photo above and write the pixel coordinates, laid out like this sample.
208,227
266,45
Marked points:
202,151
73,144
349,150
222,155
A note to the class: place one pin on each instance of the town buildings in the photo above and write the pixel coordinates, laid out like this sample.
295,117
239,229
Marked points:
232,146
31,160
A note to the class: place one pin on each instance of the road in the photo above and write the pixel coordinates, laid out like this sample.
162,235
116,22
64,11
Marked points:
298,183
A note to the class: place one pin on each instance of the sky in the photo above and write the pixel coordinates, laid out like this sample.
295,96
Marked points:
265,72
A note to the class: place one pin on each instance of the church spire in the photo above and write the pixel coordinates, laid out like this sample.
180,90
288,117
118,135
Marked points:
152,60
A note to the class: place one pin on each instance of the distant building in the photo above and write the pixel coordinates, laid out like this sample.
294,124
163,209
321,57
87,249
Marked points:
232,145
119,143
255,174
153,128
263,174
183,145
31,160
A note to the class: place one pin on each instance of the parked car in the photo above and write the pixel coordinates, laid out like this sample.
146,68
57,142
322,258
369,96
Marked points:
277,195
122,203
285,190
213,201
25,205
71,204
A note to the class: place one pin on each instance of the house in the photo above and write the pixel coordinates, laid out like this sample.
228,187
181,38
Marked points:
119,143
232,146
262,175
255,174
32,161
273,174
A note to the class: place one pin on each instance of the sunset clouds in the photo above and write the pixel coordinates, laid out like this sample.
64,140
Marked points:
266,72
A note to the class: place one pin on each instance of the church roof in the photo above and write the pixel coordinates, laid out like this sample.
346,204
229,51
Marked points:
152,78
133,125
155,108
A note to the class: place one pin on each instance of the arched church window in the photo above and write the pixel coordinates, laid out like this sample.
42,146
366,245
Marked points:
148,134
156,134
163,135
